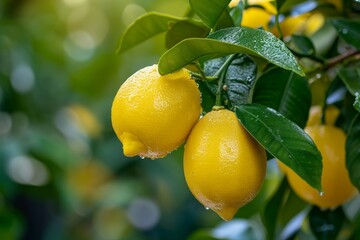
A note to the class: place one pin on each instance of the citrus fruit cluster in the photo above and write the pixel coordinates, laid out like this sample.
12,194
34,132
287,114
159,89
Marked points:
153,115
330,140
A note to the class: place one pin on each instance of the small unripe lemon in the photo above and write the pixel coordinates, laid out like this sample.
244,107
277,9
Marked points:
152,115
224,165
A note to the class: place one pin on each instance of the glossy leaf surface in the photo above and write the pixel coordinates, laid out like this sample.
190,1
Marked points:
286,92
284,139
254,42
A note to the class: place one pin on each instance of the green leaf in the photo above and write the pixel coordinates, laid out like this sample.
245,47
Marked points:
182,30
353,151
145,27
273,207
239,79
254,42
237,13
279,4
348,30
286,92
209,11
350,75
285,140
302,45
326,224
207,96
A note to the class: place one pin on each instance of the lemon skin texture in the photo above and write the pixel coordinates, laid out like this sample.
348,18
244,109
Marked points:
337,187
224,166
152,115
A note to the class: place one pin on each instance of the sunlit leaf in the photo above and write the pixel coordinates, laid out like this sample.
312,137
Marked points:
254,42
145,27
326,224
209,11
348,30
286,92
353,151
284,139
239,78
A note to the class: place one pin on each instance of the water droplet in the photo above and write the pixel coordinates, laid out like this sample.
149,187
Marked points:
321,194
345,31
207,208
142,157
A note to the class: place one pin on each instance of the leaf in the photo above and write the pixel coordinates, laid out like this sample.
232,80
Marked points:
273,207
285,140
279,4
348,30
254,42
286,92
209,11
239,79
182,30
145,27
207,97
353,151
351,77
302,45
326,224
237,13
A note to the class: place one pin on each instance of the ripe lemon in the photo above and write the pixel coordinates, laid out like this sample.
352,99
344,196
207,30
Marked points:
224,166
331,114
337,187
152,115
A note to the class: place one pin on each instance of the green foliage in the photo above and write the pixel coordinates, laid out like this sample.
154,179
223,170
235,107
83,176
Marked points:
284,140
58,55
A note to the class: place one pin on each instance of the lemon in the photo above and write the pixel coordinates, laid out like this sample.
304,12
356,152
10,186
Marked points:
337,187
224,166
331,115
152,115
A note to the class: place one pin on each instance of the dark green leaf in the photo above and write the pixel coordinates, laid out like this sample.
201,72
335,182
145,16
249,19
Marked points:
326,224
302,45
348,30
182,30
236,13
145,27
225,21
286,92
350,75
207,97
285,140
353,151
209,11
273,207
279,4
239,79
254,42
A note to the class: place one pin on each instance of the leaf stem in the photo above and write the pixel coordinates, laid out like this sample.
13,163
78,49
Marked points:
221,73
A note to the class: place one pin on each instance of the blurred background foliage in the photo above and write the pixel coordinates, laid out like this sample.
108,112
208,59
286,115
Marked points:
62,172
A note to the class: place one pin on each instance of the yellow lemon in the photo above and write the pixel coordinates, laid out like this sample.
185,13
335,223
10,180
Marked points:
337,187
331,114
152,115
224,166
